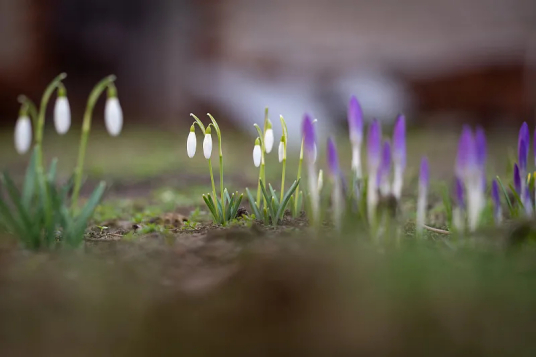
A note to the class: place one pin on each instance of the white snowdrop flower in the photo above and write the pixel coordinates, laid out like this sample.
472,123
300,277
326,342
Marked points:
62,115
23,134
191,143
207,144
281,150
257,153
269,138
113,116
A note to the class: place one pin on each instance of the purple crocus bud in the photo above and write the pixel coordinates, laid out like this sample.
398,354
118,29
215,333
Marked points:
466,159
399,142
535,146
495,195
523,150
517,179
480,144
333,159
374,147
355,121
522,157
309,138
385,169
460,193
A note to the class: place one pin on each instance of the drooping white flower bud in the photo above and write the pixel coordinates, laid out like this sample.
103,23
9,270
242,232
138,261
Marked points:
62,114
207,144
269,138
191,143
23,134
281,150
257,153
113,116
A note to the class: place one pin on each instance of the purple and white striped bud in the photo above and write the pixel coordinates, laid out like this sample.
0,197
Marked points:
309,146
309,139
374,147
334,173
527,202
355,126
424,182
458,219
333,160
523,145
384,172
496,198
399,155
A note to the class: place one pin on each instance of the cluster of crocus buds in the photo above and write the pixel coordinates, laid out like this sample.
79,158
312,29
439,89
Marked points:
471,173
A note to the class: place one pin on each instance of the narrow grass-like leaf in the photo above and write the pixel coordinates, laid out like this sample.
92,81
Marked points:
28,188
236,205
52,170
516,196
447,203
507,198
229,207
286,198
81,220
22,219
253,204
274,194
268,199
211,208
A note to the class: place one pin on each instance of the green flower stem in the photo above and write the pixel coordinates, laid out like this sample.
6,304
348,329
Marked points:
203,129
215,124
86,127
285,137
39,129
30,108
213,185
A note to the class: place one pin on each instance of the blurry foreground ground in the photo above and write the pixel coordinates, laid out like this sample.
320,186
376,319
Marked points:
142,286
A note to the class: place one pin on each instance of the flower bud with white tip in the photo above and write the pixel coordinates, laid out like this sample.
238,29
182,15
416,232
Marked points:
269,137
23,133
281,150
62,112
113,114
191,143
257,153
207,143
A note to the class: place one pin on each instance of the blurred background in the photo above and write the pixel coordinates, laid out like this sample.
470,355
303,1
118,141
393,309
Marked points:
441,62
433,59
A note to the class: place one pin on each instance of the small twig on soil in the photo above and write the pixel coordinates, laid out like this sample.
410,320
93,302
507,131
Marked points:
436,230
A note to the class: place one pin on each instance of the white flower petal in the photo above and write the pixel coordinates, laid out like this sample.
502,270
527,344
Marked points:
23,134
257,153
281,151
113,116
207,146
62,115
269,140
191,144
